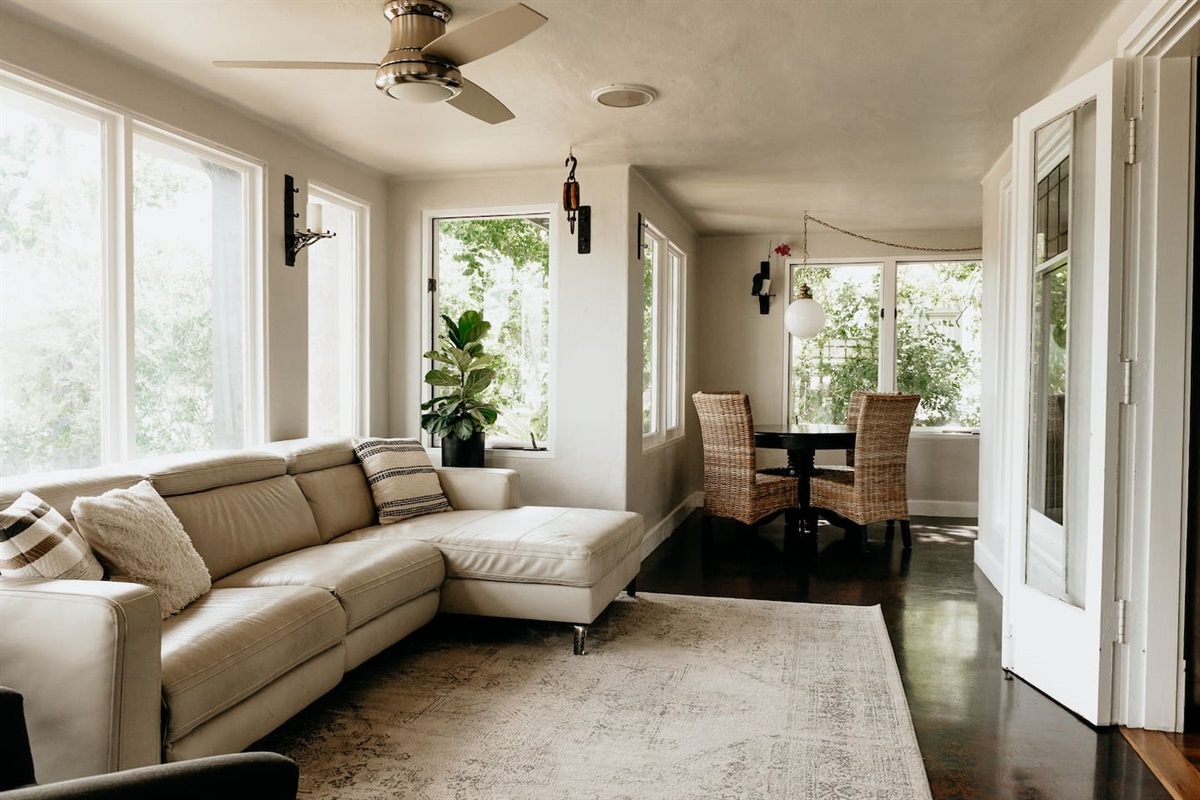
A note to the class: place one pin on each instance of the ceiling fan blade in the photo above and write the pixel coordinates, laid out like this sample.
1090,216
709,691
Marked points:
294,65
480,104
485,35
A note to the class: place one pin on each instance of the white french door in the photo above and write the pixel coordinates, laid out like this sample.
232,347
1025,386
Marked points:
1060,614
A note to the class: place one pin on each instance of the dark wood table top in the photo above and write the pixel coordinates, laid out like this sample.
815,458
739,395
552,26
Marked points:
804,436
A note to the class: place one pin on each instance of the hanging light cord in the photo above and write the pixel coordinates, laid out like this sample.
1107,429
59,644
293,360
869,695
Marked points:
808,216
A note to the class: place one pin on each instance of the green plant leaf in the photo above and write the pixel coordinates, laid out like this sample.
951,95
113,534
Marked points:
440,377
478,380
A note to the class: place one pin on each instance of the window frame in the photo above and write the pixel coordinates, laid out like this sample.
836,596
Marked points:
360,404
670,271
118,127
889,267
430,319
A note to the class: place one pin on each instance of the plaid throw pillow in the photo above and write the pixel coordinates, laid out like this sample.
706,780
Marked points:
403,481
37,542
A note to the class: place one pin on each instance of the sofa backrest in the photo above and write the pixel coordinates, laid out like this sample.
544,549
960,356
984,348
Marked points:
332,480
60,489
238,507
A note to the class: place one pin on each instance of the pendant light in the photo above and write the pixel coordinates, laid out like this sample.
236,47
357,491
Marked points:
805,317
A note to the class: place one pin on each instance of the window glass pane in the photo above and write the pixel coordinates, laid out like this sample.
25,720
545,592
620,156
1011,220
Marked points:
844,356
190,268
938,324
332,338
51,272
501,266
650,256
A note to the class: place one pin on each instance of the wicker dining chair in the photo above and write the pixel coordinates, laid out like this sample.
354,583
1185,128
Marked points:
876,489
733,488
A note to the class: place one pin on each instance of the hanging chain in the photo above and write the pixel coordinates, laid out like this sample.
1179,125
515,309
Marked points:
808,216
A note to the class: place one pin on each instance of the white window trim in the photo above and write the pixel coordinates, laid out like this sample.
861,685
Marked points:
429,219
887,328
118,126
669,330
361,291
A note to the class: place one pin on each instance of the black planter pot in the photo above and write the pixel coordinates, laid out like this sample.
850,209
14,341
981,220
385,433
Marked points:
463,452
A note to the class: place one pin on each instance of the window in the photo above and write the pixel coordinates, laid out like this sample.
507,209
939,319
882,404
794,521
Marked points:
662,290
335,318
130,327
934,334
500,265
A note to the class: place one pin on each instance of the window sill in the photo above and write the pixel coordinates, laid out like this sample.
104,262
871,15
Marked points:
957,433
650,446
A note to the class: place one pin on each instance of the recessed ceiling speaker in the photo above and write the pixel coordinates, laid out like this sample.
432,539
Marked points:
624,95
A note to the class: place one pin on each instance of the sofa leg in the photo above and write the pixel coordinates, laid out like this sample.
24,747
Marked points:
631,589
581,640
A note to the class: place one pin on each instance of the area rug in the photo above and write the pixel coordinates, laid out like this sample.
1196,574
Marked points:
678,697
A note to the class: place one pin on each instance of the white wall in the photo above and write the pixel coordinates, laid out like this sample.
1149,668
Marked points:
663,480
75,66
586,465
744,350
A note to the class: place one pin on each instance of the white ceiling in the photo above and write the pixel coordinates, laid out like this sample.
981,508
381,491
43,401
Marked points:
877,115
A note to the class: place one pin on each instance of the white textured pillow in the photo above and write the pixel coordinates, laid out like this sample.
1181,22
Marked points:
37,542
136,535
402,478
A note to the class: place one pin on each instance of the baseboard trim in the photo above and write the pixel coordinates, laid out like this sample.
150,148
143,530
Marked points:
943,508
663,530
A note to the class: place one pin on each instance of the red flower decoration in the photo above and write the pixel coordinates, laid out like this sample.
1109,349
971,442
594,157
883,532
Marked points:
784,250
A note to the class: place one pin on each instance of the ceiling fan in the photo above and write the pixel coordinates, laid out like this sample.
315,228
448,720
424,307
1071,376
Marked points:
422,63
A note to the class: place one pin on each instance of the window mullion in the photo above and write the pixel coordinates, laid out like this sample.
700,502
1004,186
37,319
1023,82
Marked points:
117,426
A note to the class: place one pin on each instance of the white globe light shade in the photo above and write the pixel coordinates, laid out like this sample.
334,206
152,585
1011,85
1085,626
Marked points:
804,318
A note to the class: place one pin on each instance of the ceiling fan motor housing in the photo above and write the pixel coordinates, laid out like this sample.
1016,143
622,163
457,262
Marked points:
407,73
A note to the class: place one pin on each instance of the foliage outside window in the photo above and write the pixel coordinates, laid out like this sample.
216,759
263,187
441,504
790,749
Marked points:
335,273
935,329
501,264
662,290
86,378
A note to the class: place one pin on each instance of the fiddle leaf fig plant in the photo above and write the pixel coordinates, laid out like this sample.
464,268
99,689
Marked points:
462,373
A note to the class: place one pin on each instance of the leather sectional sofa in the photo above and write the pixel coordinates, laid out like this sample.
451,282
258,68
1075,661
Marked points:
305,587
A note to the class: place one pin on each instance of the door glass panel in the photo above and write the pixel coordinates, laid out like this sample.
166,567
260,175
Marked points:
1054,553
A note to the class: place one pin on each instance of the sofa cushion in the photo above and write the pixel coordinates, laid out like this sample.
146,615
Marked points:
403,481
232,642
236,526
367,578
531,544
37,542
340,499
136,535
186,473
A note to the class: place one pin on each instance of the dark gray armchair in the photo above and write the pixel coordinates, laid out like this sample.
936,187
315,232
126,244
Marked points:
266,776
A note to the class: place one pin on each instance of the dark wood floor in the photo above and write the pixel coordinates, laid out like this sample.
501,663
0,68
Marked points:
981,736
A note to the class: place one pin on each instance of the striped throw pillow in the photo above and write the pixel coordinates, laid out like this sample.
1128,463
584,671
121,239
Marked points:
403,481
37,542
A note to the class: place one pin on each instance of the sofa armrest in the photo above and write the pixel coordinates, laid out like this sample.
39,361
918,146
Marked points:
479,488
86,655
264,776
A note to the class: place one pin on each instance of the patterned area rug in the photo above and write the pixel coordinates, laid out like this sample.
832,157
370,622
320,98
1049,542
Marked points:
678,697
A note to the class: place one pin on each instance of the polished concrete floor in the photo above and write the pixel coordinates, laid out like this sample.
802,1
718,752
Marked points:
981,736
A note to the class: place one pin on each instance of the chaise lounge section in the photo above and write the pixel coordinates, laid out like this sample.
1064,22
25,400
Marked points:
306,585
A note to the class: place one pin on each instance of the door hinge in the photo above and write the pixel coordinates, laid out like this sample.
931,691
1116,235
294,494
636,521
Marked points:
1132,128
431,286
1127,382
1121,606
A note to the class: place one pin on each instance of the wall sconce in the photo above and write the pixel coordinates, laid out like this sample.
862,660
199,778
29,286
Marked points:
761,288
298,240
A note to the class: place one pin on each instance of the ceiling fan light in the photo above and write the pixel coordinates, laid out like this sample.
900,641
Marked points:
804,318
419,81
624,95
